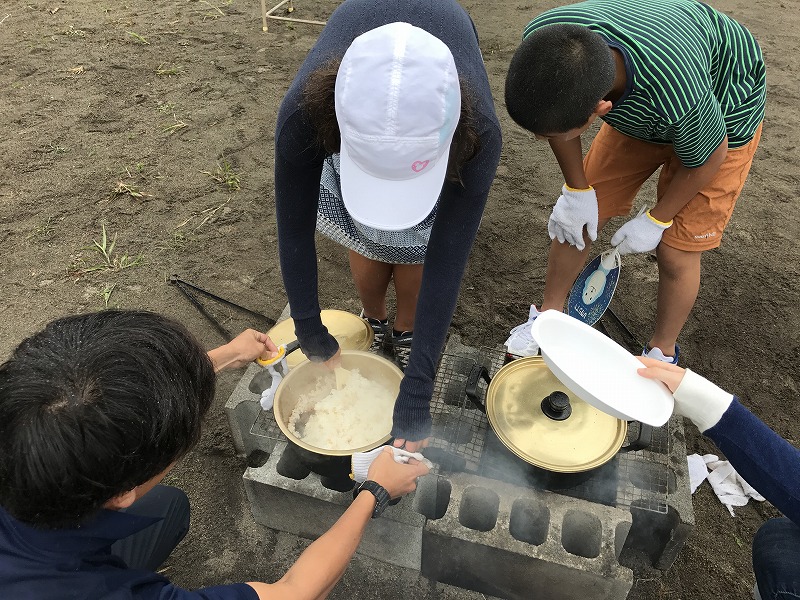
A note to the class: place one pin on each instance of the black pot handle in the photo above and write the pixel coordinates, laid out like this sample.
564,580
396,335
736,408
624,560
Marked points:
471,390
642,441
292,346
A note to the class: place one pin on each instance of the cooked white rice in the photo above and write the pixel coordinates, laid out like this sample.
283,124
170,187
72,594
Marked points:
340,419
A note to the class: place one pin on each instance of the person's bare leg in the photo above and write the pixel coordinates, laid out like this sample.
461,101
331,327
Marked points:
407,281
564,263
678,284
372,280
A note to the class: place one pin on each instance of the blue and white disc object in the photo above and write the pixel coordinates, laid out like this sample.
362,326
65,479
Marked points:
593,289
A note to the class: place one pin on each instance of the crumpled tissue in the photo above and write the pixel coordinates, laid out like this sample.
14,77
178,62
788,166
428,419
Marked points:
361,461
731,489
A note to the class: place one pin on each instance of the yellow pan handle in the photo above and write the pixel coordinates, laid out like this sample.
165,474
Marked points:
281,353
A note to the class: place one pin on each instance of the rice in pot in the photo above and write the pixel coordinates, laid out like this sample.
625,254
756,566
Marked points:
358,414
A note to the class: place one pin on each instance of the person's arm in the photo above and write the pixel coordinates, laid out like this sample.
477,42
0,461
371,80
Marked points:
569,155
298,167
242,350
700,142
764,459
324,562
643,232
576,210
454,230
687,182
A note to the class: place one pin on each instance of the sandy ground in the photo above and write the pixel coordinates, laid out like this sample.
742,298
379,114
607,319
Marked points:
154,123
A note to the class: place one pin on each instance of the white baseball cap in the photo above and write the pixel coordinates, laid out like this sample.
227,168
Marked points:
398,102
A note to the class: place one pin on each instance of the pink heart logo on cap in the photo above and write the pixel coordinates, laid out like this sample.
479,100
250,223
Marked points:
419,165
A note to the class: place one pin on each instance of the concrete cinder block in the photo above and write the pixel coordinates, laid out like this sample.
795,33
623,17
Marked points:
661,535
504,557
243,408
306,508
514,542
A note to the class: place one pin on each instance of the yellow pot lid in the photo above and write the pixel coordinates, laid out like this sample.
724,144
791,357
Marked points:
351,331
584,440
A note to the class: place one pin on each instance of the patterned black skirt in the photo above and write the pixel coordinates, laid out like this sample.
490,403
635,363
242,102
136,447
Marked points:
405,247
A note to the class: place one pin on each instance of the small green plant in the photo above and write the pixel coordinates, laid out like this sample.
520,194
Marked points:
225,175
112,260
165,107
164,71
139,39
106,292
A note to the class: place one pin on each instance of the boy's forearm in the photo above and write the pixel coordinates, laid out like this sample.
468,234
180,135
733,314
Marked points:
222,357
569,155
324,562
686,183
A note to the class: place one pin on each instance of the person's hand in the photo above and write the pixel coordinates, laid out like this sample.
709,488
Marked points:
410,445
641,234
696,398
334,361
667,373
574,210
398,479
243,349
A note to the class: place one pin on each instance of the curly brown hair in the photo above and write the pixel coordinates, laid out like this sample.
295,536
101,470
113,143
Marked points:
320,107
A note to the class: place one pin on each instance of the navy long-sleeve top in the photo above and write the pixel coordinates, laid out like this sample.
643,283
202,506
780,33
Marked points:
766,461
298,167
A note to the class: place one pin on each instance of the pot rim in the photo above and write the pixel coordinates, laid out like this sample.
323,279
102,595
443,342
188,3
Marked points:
350,330
514,432
282,420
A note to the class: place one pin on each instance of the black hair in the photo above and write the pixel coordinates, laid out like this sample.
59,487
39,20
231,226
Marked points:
93,406
320,106
556,78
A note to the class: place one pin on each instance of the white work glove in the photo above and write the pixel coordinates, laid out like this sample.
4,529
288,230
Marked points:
361,461
701,401
641,234
574,210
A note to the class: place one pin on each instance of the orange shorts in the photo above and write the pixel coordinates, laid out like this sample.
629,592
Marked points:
617,166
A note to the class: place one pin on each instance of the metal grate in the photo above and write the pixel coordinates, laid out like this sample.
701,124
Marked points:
461,440
639,479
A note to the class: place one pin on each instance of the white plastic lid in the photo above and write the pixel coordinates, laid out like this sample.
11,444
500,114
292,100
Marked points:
600,371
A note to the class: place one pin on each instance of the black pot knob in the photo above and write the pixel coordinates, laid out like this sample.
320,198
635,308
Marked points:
556,406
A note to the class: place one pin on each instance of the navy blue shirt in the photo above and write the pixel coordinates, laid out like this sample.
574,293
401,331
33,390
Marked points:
763,458
77,564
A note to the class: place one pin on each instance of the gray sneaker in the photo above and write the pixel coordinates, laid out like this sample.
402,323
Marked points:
380,329
401,344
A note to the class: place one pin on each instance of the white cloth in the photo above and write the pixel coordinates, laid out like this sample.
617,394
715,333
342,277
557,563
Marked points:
727,484
361,461
268,395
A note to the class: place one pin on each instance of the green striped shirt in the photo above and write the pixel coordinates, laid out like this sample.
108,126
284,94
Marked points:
694,74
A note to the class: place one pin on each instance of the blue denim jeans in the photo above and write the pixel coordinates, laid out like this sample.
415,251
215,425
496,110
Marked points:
150,547
776,560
